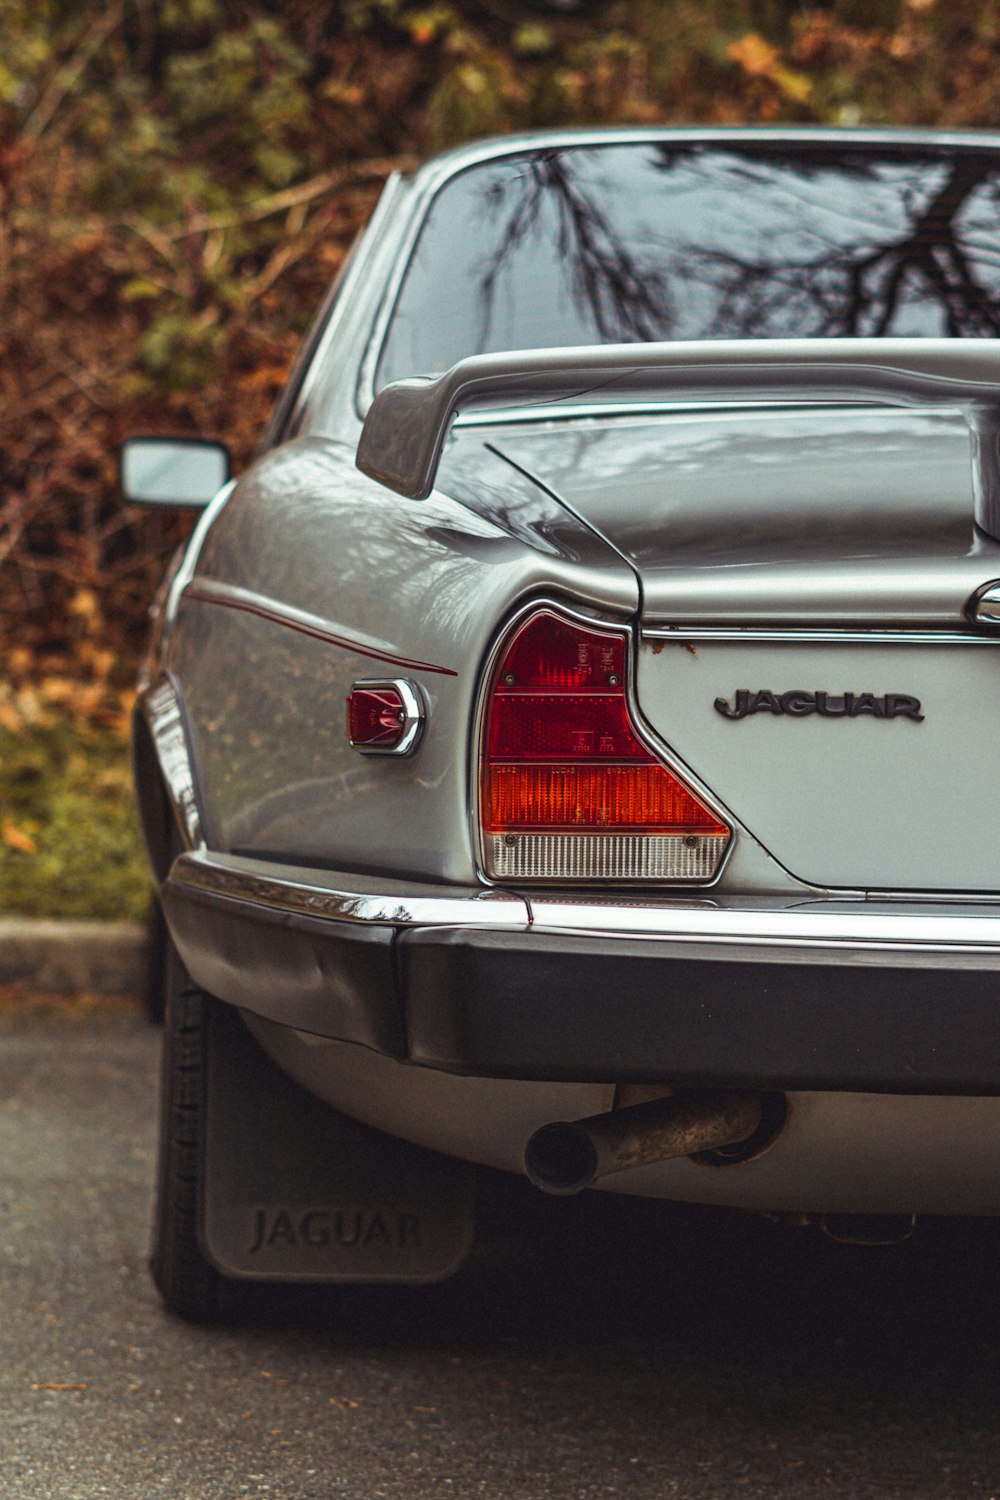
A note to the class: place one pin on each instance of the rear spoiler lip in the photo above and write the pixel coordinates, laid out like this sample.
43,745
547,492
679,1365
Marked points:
408,422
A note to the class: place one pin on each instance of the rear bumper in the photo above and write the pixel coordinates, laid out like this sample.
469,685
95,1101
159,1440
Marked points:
894,997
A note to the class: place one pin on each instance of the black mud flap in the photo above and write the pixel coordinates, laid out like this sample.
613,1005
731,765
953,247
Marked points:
294,1191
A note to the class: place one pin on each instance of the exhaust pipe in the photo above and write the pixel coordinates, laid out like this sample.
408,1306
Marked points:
568,1155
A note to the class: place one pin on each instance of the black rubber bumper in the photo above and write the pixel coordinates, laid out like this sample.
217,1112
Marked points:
586,1008
524,1003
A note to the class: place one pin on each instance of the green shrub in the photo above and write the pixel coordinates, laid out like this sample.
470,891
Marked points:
69,837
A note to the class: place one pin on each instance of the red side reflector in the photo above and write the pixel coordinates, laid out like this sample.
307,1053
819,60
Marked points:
384,717
375,717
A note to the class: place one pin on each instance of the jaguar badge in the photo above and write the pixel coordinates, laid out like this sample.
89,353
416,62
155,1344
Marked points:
798,704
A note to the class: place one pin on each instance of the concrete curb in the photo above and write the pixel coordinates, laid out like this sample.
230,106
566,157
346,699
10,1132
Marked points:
52,955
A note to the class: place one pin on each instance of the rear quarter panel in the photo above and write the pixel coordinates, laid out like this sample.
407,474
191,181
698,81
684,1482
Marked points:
410,589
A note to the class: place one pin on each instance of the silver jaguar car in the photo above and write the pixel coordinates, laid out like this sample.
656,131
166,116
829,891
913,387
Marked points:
568,748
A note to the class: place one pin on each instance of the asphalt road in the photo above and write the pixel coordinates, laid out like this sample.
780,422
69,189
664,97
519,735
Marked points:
692,1353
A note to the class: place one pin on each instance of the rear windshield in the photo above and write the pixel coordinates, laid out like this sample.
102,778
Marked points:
634,242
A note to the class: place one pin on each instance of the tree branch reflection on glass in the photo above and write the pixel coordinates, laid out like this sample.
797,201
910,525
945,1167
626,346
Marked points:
937,274
667,240
624,301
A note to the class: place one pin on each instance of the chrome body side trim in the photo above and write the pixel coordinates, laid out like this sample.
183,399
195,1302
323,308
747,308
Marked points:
164,716
826,931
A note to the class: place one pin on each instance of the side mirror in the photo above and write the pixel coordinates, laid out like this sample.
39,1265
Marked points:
180,472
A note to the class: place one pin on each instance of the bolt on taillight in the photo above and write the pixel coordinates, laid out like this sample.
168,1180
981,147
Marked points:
570,790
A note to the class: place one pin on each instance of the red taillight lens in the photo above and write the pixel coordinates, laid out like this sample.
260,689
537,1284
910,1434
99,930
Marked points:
618,797
570,790
541,726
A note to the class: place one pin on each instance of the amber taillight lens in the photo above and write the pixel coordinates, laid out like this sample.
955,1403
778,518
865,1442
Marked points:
570,790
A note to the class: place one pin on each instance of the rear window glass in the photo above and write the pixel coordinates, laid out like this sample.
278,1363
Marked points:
636,242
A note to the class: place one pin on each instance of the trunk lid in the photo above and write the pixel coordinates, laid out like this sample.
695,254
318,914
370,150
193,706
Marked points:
804,649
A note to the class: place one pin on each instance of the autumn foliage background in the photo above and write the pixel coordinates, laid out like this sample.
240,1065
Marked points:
179,182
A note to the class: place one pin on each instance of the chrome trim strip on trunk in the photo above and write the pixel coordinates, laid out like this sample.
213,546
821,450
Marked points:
819,637
574,411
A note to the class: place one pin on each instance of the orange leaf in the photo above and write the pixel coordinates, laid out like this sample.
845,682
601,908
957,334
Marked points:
759,59
13,836
84,603
754,55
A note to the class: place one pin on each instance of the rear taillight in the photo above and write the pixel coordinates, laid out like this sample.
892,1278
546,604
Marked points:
570,789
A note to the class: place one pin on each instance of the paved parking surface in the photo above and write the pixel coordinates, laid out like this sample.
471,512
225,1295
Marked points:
689,1354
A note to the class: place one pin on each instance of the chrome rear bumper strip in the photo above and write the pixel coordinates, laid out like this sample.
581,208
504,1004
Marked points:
344,898
902,933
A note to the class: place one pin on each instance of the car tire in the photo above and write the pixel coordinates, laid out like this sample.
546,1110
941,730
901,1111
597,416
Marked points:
188,1283
154,988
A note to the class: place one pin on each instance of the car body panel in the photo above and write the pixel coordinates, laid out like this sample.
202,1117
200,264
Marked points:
807,517
293,652
849,801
